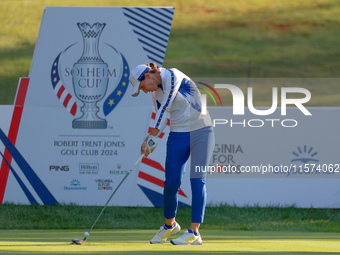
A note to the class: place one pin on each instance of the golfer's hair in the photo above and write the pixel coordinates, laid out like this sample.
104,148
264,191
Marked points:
153,67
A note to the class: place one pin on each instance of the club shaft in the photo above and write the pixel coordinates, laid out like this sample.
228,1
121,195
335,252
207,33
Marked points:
121,182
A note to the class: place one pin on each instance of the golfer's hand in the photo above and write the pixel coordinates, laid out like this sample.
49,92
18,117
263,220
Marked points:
143,149
149,145
153,132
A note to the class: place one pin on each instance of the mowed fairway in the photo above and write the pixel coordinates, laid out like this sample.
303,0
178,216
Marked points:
137,242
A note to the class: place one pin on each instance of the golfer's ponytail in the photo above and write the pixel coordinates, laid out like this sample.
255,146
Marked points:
153,67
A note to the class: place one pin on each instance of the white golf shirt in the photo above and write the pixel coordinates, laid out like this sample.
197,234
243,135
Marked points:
179,97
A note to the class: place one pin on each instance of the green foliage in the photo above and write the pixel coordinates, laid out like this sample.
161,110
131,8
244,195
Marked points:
208,39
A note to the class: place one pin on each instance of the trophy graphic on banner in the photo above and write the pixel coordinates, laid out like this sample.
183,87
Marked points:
90,79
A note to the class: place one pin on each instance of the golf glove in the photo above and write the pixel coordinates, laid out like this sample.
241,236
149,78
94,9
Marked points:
151,143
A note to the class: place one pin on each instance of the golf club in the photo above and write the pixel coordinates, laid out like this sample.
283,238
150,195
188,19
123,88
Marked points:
86,234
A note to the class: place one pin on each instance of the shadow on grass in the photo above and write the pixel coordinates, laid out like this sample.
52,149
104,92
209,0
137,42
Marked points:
14,63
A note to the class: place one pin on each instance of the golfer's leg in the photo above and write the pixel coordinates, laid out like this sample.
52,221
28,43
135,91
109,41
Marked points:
202,146
178,150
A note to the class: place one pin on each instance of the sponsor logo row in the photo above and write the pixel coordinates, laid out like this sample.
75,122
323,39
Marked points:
87,168
101,184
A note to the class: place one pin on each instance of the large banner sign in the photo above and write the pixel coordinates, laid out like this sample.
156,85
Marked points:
79,130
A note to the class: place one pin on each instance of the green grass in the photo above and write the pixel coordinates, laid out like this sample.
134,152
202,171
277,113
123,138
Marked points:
208,39
137,242
223,217
216,39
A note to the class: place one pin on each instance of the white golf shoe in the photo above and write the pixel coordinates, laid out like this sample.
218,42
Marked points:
163,234
188,238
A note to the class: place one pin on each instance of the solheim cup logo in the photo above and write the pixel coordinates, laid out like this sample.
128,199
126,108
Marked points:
90,77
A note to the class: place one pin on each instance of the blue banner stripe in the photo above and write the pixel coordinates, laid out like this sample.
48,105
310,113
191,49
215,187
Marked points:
55,78
39,187
159,63
149,38
148,32
147,25
21,183
152,28
151,46
161,57
157,199
155,59
168,10
147,19
161,13
156,17
116,96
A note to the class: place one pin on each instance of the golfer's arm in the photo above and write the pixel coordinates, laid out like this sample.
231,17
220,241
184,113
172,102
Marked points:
154,131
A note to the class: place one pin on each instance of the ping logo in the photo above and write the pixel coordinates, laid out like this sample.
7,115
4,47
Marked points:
60,168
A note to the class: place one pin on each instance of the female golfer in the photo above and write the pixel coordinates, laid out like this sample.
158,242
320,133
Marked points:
191,134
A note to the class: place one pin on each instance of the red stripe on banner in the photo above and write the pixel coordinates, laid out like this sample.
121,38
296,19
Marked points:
74,109
160,136
156,181
151,179
180,192
153,116
60,92
13,133
153,164
67,99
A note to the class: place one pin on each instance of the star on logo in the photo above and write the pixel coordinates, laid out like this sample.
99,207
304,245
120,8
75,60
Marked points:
119,92
124,83
111,102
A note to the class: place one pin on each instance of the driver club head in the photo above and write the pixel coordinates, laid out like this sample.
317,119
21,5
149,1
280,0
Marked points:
79,241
